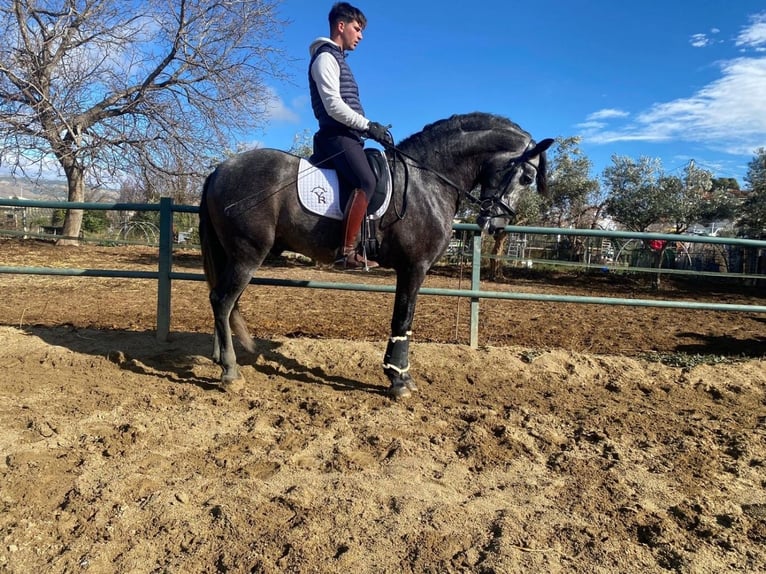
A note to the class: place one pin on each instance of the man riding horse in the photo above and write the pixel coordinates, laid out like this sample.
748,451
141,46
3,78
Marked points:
250,203
338,109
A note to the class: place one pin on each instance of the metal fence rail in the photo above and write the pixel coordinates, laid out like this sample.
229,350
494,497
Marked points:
165,275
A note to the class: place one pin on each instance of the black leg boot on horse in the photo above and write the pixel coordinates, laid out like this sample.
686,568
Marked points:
353,216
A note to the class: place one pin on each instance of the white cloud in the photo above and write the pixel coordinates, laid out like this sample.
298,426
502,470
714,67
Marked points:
734,103
278,111
703,40
591,125
700,40
607,113
727,115
250,144
300,102
754,35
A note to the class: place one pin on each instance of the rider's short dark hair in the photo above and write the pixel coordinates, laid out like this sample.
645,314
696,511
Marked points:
345,12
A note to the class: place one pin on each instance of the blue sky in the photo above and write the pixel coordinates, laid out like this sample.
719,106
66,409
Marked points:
673,79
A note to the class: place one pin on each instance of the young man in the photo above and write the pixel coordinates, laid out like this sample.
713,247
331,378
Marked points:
338,109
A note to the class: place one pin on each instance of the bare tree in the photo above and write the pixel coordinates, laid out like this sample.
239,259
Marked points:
97,87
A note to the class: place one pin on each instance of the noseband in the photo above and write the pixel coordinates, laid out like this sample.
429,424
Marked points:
491,204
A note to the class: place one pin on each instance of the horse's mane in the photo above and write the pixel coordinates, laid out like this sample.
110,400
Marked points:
473,122
477,130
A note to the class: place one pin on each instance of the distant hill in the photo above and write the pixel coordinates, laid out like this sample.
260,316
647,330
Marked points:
38,189
46,189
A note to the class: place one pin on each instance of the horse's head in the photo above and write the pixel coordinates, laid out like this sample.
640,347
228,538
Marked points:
504,176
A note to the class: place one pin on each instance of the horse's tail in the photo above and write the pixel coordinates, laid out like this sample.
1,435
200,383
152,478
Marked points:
214,259
213,254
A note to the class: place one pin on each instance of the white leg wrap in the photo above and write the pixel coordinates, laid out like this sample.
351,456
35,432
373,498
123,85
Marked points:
397,354
399,370
406,336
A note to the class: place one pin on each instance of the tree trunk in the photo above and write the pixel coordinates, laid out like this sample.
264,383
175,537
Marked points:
496,263
73,218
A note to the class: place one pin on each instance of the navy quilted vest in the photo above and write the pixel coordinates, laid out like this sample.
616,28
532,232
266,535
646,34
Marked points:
349,91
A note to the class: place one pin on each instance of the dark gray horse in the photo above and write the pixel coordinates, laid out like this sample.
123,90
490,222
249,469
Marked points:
249,208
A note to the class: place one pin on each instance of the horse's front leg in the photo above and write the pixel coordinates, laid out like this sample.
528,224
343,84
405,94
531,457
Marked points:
396,362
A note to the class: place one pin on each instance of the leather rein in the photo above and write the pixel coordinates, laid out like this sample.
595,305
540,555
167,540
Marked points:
485,205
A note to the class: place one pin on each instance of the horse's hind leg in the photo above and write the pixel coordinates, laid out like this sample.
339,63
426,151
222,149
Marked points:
223,298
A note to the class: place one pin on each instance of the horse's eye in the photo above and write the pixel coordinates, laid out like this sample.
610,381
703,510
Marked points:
525,180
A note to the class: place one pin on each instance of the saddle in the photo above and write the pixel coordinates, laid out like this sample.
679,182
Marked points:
379,166
319,188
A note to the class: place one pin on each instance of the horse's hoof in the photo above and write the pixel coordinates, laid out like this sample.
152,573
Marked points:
401,391
399,379
233,384
405,380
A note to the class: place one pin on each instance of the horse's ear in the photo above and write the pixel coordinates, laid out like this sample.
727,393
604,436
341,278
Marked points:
541,147
542,166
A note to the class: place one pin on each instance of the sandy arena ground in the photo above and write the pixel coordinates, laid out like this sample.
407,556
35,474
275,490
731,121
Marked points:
577,438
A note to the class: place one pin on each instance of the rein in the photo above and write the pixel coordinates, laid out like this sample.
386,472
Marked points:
441,176
421,165
485,205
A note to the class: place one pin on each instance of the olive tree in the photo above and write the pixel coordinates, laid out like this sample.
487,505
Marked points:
753,220
570,185
640,194
97,87
725,184
689,197
637,192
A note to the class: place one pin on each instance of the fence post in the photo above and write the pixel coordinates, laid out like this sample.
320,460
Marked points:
165,265
475,286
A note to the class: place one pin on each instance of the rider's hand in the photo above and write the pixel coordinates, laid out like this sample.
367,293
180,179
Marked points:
379,133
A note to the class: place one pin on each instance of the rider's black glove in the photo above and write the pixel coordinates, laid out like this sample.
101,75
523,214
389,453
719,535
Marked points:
379,133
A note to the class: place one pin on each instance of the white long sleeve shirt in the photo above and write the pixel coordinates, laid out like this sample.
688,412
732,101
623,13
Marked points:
326,74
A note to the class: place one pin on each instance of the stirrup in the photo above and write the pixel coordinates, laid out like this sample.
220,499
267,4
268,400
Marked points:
354,260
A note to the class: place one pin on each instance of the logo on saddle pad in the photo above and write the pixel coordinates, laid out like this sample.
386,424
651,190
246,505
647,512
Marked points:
319,190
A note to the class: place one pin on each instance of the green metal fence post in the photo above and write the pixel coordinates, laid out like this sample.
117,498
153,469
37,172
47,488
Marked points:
165,265
475,286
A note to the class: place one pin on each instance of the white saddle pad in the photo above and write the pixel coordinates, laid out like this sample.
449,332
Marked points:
319,192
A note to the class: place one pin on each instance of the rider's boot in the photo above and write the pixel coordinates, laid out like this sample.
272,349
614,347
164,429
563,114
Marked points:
356,209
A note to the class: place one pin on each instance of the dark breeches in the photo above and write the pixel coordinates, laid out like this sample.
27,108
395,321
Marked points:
346,154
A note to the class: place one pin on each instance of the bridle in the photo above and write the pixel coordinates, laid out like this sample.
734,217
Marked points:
489,204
